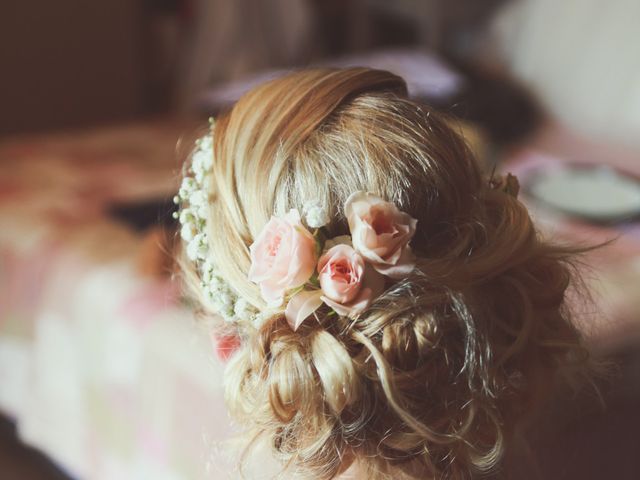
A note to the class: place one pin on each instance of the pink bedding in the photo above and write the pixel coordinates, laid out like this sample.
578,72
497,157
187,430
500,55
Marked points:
101,366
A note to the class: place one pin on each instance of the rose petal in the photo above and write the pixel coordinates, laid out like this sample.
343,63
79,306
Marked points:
402,268
372,287
301,306
359,204
259,268
355,307
339,308
273,296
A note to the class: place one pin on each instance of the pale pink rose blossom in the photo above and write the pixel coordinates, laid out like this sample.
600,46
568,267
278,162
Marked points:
381,233
348,284
283,257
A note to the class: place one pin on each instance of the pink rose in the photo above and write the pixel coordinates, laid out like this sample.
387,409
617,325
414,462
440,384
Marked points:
381,233
347,285
282,257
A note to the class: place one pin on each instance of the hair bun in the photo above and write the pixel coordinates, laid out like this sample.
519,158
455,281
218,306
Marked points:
432,377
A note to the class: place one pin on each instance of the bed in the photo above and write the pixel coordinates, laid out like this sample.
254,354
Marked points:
101,366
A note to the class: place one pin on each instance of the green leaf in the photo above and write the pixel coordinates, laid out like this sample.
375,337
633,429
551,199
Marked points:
314,281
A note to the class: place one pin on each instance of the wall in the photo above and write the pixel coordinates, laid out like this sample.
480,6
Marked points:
582,57
67,63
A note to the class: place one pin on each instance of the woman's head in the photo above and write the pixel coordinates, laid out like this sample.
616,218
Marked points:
431,377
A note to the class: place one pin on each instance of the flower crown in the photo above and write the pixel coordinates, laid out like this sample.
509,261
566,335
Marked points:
294,263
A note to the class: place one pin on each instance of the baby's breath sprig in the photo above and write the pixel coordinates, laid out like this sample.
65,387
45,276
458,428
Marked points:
193,210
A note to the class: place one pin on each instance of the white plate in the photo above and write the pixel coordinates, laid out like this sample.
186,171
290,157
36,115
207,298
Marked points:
592,192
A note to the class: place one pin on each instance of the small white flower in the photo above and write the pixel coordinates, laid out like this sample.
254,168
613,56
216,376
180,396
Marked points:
216,283
187,232
197,199
186,216
203,212
198,247
205,143
226,299
187,187
199,204
201,164
206,273
206,179
242,308
192,250
316,216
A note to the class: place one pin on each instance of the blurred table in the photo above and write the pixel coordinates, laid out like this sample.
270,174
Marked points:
612,273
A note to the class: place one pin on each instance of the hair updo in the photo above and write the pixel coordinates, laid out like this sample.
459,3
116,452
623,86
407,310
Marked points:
431,378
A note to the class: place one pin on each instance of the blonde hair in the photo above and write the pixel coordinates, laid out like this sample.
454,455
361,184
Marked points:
432,377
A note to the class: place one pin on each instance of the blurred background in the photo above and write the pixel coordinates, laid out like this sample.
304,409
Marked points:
103,373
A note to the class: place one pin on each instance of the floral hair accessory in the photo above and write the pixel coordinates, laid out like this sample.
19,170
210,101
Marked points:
352,270
293,265
283,257
315,215
381,233
193,202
